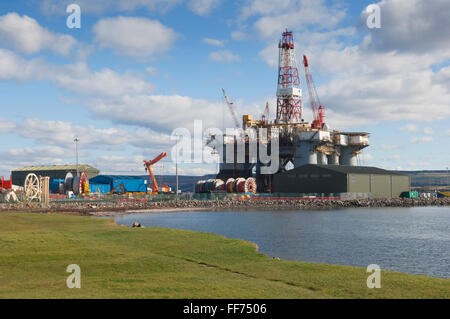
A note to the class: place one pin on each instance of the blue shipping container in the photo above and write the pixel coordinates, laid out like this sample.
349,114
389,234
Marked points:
132,185
102,188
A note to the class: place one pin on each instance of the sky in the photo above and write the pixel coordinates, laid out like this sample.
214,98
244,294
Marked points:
136,70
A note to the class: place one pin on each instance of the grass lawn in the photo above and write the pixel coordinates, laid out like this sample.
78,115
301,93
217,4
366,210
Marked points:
122,262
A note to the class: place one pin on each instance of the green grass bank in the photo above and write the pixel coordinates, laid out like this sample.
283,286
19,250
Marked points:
122,262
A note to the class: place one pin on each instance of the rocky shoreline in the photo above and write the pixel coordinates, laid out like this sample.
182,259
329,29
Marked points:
119,208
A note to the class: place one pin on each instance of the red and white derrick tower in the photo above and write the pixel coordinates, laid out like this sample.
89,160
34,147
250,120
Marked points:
289,93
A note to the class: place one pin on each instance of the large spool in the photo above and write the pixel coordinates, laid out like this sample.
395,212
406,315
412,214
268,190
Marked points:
239,185
68,182
198,186
209,185
219,185
229,185
250,185
32,187
76,184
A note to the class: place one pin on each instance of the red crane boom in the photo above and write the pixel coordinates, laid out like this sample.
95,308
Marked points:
317,108
148,166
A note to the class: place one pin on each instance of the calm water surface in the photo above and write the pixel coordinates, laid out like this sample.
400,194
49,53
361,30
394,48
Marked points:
411,240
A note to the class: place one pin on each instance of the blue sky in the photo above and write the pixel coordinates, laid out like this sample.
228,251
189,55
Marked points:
137,70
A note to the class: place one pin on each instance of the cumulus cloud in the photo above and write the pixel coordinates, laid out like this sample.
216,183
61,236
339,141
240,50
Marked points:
159,112
276,15
6,126
428,130
224,56
238,35
62,133
24,34
214,42
139,37
421,140
76,77
199,7
409,128
411,26
51,7
202,7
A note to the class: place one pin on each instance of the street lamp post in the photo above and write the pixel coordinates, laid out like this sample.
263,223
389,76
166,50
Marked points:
176,166
447,179
76,140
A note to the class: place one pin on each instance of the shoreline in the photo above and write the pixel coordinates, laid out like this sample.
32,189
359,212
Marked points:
93,208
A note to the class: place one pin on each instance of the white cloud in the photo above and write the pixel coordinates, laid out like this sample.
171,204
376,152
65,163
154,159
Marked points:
394,157
62,134
224,56
202,7
199,7
6,126
139,37
52,7
214,42
403,22
76,77
428,130
159,112
421,140
384,147
409,128
238,35
276,15
152,70
24,34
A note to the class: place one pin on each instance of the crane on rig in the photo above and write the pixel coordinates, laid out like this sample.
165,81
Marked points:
230,107
148,167
317,108
266,114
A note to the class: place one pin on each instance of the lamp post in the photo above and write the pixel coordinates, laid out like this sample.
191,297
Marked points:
447,178
76,140
176,165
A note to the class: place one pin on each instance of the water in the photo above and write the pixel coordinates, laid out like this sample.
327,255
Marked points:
411,240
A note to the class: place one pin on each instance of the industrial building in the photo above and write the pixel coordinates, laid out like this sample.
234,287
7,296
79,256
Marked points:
110,183
373,181
54,172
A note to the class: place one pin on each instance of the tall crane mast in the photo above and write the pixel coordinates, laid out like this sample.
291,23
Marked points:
230,107
148,166
317,108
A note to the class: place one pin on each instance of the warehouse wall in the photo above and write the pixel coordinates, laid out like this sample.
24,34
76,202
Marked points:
311,181
400,184
358,183
379,185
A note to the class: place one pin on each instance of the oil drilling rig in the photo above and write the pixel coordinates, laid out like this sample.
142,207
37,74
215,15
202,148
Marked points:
299,142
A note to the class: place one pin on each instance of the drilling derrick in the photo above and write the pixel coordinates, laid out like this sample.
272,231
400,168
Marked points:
289,93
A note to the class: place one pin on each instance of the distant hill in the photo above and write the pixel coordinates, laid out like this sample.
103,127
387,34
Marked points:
427,178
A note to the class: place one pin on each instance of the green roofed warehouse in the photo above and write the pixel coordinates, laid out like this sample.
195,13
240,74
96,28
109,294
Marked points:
53,171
